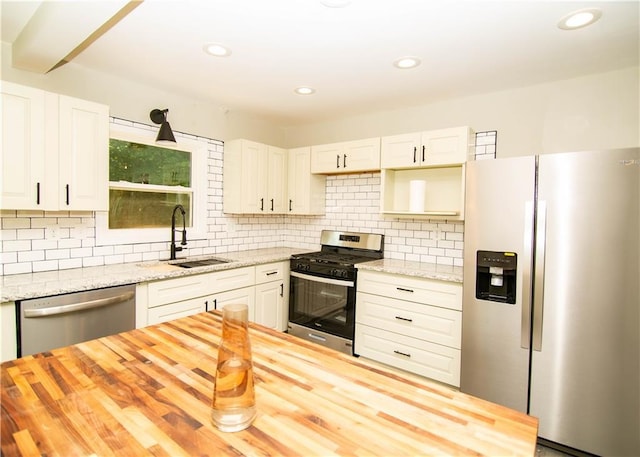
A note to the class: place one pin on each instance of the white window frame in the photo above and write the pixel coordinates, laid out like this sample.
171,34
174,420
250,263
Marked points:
199,152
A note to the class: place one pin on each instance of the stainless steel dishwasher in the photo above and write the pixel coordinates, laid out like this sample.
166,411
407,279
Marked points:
50,322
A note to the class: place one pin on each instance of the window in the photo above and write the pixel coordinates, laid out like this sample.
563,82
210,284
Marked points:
146,182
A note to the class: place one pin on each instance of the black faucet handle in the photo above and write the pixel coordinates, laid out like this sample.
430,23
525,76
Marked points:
184,238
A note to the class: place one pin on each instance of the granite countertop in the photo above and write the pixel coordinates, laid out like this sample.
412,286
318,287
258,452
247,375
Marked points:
412,268
32,285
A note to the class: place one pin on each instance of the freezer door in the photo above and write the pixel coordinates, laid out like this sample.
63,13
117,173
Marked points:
586,378
499,213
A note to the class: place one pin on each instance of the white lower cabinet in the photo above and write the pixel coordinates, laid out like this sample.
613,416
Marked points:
414,324
8,335
272,295
244,295
179,297
264,288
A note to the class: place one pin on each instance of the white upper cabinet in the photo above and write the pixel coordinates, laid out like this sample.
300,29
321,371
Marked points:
55,151
255,178
346,157
423,173
424,149
306,191
83,154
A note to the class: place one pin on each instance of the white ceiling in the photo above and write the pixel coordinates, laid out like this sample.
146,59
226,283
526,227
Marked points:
346,54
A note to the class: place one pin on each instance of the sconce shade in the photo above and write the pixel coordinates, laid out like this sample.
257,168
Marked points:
165,134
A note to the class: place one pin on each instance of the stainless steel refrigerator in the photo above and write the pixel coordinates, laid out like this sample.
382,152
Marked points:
551,294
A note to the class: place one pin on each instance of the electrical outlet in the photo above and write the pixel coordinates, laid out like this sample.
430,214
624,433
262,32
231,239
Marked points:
53,233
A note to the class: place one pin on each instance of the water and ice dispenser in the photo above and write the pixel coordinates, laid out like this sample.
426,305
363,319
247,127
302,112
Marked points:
496,276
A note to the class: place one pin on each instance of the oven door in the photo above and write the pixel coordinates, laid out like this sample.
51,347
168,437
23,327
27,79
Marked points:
323,304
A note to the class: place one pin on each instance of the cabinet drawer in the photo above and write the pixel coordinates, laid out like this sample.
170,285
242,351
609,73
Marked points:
245,296
429,323
426,291
234,278
417,356
270,272
178,289
176,310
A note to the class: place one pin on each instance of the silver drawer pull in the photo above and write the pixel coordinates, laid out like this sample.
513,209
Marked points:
400,318
402,289
404,354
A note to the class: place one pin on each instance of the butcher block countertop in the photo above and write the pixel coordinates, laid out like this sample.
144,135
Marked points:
148,392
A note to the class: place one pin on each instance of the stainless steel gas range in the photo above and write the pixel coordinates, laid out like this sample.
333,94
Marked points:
322,297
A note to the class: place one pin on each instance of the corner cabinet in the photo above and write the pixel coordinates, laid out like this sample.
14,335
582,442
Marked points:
346,157
307,192
435,158
410,323
55,151
255,178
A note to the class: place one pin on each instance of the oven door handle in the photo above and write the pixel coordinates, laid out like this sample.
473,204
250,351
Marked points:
336,282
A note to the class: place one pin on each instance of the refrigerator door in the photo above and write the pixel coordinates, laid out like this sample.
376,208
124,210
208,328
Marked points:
585,380
495,366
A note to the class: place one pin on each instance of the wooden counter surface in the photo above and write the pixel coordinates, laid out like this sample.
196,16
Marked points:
148,392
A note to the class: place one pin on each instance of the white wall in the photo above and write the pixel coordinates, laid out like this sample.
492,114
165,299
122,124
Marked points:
598,111
132,101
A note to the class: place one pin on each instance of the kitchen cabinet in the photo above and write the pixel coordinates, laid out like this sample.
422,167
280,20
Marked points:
414,324
264,288
306,191
272,295
179,297
424,149
8,334
255,178
55,152
438,159
346,157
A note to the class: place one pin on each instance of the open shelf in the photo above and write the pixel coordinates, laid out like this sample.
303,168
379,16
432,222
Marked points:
444,193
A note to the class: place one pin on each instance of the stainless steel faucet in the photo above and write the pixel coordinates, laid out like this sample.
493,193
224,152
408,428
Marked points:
175,248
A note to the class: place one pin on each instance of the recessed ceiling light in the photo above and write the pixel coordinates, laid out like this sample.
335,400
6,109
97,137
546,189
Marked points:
579,19
407,62
304,90
216,49
335,3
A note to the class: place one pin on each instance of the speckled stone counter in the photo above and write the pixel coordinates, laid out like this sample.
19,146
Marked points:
418,269
31,285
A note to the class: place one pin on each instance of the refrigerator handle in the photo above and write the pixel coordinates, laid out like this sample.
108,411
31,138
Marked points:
538,291
527,268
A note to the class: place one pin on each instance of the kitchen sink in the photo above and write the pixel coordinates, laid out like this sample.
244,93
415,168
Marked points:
199,263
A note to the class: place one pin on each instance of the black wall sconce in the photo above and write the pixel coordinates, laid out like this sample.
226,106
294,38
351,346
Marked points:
165,135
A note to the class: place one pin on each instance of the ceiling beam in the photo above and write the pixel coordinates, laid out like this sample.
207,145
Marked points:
59,31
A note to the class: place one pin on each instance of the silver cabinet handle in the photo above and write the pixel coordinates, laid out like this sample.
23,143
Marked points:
64,309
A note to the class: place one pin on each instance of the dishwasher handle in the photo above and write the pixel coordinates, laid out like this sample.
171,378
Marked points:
64,309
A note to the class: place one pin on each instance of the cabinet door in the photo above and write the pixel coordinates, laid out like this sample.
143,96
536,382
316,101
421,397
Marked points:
83,155
23,147
277,181
446,146
176,310
361,155
270,305
401,151
254,178
245,295
306,191
327,158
